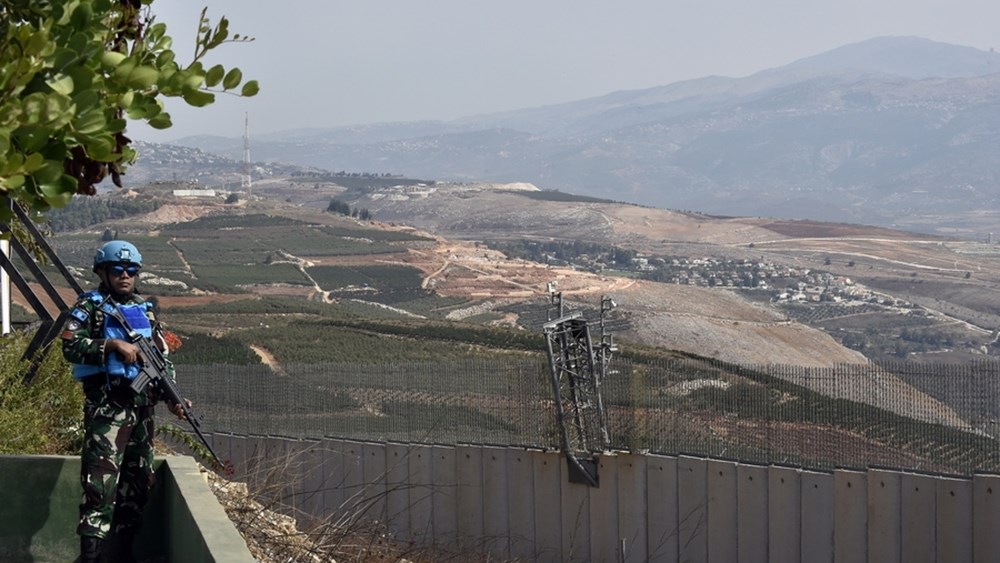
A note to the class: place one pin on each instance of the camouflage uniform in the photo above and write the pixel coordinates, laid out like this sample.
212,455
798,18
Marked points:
117,459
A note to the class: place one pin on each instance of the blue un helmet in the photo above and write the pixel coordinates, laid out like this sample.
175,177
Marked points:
117,251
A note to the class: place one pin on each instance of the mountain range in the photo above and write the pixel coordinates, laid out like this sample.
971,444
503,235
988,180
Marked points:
893,131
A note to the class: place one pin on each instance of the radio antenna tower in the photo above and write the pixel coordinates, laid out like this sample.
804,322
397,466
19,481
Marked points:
245,182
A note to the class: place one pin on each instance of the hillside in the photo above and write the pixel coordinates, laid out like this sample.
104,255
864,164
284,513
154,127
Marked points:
739,289
899,132
861,278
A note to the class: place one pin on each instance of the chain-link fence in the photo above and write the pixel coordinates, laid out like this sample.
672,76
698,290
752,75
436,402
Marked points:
926,417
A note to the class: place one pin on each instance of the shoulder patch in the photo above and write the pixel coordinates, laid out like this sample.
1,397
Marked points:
73,326
79,314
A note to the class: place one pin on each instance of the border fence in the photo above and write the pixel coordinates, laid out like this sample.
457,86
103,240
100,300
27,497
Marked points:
909,416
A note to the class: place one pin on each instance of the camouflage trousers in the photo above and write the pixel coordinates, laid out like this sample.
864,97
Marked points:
117,461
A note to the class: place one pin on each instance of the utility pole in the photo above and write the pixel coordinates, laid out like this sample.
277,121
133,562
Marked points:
246,183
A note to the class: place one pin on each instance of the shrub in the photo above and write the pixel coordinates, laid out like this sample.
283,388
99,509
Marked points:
45,417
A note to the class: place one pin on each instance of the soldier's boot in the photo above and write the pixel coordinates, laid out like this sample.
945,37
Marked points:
120,547
90,549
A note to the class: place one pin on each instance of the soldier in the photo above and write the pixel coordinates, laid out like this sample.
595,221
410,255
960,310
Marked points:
117,458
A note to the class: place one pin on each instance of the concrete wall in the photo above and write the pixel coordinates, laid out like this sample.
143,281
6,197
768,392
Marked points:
40,496
517,503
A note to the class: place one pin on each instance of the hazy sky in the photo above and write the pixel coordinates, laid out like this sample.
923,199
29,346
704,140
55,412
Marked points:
329,62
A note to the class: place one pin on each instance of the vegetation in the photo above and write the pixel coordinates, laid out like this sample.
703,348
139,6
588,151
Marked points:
45,417
205,349
383,278
556,195
342,207
74,73
564,252
84,212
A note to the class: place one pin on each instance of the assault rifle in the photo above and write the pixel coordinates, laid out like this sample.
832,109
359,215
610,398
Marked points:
154,370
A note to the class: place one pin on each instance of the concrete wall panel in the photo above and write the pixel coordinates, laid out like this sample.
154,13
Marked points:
663,520
986,519
521,469
548,524
850,510
751,513
352,460
575,516
497,491
332,473
884,526
444,497
604,536
692,508
469,463
633,501
918,526
421,483
954,520
238,458
313,481
373,469
817,517
723,512
784,514
397,489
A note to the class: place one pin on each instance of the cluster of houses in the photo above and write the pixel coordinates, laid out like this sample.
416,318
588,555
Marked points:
784,283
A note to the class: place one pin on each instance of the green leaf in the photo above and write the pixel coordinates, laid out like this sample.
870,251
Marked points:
116,125
82,16
250,89
164,59
161,121
59,192
111,59
13,182
33,162
153,108
32,138
214,76
135,112
100,147
90,122
48,173
232,79
192,80
61,83
124,70
142,77
156,31
198,98
83,80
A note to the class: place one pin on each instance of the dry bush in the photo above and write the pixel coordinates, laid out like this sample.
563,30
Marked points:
275,531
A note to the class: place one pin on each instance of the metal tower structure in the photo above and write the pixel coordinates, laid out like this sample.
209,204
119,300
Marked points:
246,182
578,367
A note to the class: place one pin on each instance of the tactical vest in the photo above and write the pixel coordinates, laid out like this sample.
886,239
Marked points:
134,313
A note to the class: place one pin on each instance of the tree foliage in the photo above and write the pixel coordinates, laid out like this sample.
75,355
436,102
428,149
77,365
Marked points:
72,72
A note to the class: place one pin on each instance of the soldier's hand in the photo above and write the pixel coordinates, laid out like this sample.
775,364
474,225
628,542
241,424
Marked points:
178,411
129,352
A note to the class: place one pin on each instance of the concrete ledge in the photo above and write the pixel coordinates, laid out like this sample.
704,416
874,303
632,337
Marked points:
40,499
196,525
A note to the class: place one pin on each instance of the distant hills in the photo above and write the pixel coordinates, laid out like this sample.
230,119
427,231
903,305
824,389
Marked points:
892,131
